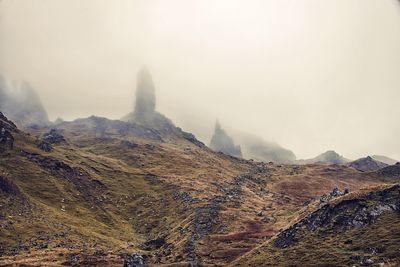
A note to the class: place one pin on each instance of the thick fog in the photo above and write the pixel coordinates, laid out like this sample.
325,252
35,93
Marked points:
310,75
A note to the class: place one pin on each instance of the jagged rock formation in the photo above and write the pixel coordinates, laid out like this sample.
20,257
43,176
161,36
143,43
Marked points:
145,113
145,106
329,157
367,164
384,159
254,147
21,104
222,142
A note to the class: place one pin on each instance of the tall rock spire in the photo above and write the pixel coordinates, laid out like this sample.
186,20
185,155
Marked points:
222,142
145,96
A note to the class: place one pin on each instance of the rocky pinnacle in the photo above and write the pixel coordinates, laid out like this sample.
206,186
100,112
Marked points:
145,96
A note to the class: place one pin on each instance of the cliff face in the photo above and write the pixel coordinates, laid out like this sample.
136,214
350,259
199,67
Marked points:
222,142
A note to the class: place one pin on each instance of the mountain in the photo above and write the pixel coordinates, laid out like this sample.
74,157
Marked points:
329,157
385,159
222,142
111,192
367,164
358,229
101,192
21,104
254,147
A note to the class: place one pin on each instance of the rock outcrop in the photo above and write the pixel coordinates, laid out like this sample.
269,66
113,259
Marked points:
345,215
222,142
145,113
53,136
367,164
21,104
145,105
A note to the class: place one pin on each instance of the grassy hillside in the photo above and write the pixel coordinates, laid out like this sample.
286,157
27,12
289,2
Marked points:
360,229
113,188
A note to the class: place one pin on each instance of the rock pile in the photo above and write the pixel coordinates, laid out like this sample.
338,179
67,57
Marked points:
54,136
335,193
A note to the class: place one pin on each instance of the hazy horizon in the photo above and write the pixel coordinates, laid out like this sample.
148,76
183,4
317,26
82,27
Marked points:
310,75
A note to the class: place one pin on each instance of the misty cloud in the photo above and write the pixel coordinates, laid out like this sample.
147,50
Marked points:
20,103
310,75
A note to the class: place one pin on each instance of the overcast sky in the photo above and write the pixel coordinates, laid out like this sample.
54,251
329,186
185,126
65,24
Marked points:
311,75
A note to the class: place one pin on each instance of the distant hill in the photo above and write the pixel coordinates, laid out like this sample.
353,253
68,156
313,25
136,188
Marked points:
329,157
367,164
385,159
254,147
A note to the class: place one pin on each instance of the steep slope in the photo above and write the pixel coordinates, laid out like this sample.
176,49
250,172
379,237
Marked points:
356,229
367,164
329,157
